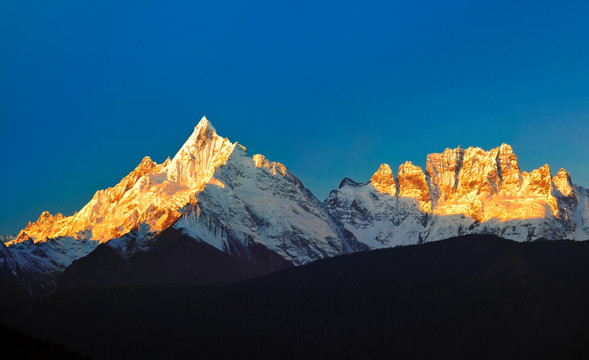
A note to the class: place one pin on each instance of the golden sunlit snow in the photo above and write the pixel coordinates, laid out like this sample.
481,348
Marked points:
472,182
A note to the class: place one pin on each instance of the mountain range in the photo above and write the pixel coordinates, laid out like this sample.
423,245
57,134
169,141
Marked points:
213,214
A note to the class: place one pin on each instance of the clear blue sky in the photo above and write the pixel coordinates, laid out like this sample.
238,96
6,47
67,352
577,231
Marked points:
331,89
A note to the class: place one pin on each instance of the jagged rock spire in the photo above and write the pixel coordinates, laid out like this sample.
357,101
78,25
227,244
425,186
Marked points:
384,180
196,160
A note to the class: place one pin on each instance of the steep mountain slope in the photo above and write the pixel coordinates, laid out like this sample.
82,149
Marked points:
212,191
152,195
463,191
254,201
475,297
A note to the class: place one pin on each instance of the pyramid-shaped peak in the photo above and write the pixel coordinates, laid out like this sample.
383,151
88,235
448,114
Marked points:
145,166
146,162
203,133
562,181
562,172
204,123
204,128
197,159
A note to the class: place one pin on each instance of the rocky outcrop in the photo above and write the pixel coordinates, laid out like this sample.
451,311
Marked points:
384,180
444,171
413,184
563,183
464,191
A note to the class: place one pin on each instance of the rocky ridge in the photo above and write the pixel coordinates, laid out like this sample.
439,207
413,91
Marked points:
462,191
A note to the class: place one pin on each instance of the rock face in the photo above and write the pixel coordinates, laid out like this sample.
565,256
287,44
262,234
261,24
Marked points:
413,185
444,171
384,180
464,191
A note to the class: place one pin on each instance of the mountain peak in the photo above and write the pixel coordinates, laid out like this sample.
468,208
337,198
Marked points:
203,130
204,123
203,133
413,184
197,159
562,181
384,180
146,165
505,148
349,182
260,161
41,228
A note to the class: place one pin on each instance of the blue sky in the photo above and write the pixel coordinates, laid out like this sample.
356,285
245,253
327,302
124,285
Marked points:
330,89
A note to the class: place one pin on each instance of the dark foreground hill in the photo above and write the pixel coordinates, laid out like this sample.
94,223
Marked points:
16,345
474,297
173,259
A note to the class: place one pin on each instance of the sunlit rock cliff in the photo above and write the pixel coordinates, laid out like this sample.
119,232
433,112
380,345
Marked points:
462,191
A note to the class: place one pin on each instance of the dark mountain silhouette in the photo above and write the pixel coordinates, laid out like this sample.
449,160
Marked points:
174,259
16,345
473,297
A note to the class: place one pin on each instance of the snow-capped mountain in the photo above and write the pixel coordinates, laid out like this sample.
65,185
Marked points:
462,191
213,208
253,200
153,195
212,191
